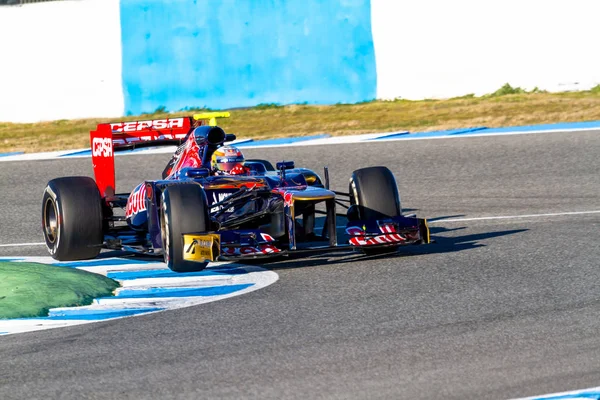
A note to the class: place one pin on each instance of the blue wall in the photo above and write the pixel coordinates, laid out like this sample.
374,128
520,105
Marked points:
235,53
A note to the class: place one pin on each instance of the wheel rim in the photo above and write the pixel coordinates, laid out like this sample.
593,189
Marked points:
50,221
165,235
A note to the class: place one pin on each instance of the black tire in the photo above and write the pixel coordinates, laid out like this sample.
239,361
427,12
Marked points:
375,193
374,196
72,218
184,209
267,164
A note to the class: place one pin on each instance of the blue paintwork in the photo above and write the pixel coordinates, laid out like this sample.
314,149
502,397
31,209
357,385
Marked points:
546,127
583,395
391,136
238,53
287,140
103,262
431,134
167,273
89,315
78,153
449,132
97,315
181,292
485,130
14,153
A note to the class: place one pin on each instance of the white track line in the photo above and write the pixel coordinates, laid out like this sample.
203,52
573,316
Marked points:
514,216
21,244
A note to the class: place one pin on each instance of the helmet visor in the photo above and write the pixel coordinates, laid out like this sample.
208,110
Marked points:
226,164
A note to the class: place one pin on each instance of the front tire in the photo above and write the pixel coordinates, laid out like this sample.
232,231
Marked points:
72,218
374,196
184,209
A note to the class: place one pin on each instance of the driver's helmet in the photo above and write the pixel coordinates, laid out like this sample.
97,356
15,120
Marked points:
228,160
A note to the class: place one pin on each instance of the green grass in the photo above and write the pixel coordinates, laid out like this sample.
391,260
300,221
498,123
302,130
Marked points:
31,289
508,106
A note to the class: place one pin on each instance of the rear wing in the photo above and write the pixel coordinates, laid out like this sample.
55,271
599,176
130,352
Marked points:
117,136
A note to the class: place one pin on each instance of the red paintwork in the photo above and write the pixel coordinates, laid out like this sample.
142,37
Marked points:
188,157
109,137
126,133
102,161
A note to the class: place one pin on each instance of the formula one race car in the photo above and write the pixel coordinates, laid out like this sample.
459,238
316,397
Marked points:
204,211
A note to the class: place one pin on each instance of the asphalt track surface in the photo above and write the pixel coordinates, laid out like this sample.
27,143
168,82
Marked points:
496,309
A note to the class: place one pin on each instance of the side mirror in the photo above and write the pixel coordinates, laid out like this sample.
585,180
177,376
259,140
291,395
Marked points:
285,165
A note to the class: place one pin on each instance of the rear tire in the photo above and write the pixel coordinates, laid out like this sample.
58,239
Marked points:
374,196
72,218
184,209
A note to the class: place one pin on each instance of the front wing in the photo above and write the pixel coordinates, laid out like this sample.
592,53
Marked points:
253,244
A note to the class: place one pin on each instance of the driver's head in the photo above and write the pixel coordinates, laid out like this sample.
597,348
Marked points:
227,159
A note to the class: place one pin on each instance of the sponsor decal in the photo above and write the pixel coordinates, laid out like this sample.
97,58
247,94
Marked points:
288,197
267,237
136,126
102,147
250,250
201,247
389,236
137,201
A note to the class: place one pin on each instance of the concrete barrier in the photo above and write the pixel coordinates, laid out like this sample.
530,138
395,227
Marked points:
60,60
107,58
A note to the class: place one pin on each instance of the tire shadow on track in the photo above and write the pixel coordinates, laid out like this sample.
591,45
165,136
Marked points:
440,244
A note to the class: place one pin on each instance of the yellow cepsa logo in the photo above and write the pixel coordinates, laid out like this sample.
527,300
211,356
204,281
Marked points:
201,248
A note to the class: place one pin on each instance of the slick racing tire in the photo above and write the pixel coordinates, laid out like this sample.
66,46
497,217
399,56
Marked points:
72,218
184,209
374,196
267,164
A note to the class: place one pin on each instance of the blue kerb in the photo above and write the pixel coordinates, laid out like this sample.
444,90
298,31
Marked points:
10,259
166,273
449,132
14,153
391,136
78,153
583,395
467,130
101,263
545,127
288,140
98,315
89,315
181,292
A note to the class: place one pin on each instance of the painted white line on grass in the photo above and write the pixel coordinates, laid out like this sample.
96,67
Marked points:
21,244
514,216
591,393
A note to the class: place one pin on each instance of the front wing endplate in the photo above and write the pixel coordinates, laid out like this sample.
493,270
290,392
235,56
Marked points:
201,247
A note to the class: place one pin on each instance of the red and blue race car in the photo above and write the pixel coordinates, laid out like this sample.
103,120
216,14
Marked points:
198,213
